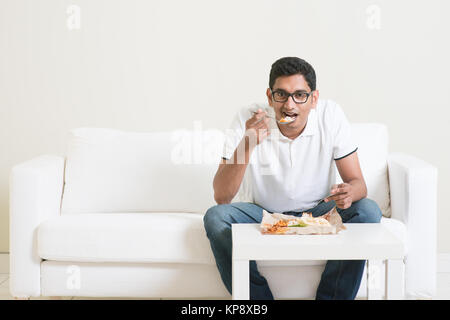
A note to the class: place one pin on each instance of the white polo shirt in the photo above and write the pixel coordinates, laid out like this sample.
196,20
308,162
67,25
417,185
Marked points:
293,175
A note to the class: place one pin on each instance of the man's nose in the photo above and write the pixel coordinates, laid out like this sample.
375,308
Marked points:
290,104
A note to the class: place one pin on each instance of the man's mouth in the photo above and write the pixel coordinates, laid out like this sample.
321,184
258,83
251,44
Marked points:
291,116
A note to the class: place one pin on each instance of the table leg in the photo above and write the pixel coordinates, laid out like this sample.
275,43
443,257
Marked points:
395,279
374,278
241,280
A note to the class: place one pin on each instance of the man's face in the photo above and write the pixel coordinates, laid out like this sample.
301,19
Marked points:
300,111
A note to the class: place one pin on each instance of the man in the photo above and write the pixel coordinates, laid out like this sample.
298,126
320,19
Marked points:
299,178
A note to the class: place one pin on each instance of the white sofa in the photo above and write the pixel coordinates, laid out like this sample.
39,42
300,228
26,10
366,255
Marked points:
121,215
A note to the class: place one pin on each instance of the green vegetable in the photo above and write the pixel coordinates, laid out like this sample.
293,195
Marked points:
299,225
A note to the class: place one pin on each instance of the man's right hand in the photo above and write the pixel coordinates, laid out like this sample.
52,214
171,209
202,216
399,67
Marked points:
257,127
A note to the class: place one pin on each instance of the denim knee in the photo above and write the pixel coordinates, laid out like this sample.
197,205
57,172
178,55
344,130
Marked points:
215,217
368,210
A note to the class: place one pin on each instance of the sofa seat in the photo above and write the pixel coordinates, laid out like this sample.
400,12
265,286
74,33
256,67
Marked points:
125,237
140,238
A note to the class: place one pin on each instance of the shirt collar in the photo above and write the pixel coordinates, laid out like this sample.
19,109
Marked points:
311,124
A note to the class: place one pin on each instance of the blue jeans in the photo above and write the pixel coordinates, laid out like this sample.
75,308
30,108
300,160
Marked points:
340,279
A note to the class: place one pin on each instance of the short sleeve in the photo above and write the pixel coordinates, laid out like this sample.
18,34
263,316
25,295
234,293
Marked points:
343,142
233,136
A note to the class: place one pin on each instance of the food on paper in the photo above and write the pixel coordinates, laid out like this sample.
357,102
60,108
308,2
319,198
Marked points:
278,223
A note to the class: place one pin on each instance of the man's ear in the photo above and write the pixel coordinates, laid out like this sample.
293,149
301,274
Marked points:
269,97
315,98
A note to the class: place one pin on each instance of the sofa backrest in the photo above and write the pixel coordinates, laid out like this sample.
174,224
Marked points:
117,171
373,142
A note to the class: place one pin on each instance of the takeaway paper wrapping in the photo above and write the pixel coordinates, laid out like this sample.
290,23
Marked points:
278,223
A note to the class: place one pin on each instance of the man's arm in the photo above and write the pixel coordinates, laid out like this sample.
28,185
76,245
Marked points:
354,187
230,173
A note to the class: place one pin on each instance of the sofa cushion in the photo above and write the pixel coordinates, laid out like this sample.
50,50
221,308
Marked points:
125,237
117,171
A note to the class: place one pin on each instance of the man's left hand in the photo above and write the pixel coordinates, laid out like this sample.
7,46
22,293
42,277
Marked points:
342,194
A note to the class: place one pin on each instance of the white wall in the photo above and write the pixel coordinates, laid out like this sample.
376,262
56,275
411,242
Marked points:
132,63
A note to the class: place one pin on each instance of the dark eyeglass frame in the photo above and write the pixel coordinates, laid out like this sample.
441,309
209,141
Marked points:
291,95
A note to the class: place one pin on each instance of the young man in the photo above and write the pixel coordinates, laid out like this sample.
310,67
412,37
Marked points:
290,170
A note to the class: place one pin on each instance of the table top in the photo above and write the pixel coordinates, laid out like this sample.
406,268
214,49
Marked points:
360,241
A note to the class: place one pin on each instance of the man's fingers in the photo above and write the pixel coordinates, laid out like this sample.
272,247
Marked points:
336,191
339,196
253,122
256,120
335,196
258,116
259,125
340,193
340,188
341,203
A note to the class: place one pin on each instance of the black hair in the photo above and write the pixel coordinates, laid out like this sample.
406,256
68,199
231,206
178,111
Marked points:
288,66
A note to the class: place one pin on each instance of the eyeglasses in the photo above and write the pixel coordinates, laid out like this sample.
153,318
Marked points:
283,96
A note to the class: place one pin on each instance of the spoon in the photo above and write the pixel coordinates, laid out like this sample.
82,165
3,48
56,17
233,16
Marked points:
284,120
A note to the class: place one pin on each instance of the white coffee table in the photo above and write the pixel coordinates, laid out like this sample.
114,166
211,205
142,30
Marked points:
360,241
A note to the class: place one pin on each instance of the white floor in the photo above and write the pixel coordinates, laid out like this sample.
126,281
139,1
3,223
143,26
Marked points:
443,281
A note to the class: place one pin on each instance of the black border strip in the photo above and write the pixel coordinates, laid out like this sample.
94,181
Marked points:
347,154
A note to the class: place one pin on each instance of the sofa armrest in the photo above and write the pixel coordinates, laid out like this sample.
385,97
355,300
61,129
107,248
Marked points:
413,188
36,188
